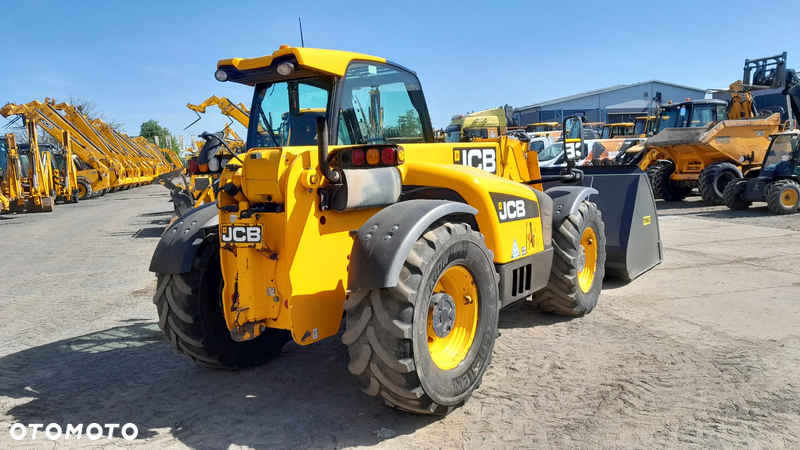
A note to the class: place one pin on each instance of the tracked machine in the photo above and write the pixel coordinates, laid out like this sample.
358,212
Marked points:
359,212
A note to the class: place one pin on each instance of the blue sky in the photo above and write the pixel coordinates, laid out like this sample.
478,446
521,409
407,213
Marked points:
142,59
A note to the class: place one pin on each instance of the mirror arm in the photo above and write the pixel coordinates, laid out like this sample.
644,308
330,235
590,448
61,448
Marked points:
572,175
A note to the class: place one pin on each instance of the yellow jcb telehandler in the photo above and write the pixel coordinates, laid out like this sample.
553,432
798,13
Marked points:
419,244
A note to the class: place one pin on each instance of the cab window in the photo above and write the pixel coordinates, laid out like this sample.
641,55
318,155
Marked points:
380,104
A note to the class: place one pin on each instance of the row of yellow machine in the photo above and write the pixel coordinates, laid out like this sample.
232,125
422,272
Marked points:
91,159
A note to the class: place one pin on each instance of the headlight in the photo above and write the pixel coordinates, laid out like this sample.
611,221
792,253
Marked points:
285,68
221,75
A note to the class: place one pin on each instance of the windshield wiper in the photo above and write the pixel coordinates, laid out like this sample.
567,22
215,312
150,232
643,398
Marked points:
268,127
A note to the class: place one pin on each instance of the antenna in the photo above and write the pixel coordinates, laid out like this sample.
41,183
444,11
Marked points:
302,43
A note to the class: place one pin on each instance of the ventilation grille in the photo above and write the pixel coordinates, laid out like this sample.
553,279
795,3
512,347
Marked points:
521,280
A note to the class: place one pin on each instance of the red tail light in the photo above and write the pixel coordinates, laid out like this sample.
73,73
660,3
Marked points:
388,156
358,157
193,166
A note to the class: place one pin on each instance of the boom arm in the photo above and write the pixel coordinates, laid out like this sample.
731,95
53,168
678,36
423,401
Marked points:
237,112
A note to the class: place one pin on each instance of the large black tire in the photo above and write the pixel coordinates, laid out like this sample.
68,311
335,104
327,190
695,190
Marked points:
713,180
783,197
732,196
663,186
564,294
386,329
190,314
651,169
84,189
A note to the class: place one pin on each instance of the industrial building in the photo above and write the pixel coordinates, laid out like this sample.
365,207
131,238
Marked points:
620,103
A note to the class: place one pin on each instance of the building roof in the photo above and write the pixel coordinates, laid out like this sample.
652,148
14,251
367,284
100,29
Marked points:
603,91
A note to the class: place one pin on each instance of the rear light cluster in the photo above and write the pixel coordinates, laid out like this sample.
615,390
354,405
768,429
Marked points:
368,157
214,165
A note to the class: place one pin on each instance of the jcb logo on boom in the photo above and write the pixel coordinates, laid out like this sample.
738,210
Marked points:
481,158
241,234
510,208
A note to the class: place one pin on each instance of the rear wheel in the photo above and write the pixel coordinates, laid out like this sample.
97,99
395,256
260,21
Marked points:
783,197
84,189
424,344
733,195
713,180
579,264
190,313
664,187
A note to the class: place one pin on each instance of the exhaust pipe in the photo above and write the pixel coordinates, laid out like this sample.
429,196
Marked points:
322,151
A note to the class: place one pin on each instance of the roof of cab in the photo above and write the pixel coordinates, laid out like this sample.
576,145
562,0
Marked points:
330,61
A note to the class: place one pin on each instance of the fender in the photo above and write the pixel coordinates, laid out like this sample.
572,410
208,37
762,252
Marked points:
567,200
178,246
375,261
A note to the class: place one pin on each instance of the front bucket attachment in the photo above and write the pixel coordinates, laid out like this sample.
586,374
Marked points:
625,199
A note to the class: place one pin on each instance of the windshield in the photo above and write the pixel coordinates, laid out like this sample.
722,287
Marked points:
672,118
551,152
782,157
702,115
280,124
639,127
651,125
453,133
3,156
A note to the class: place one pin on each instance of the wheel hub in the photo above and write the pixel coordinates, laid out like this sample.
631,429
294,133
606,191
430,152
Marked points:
581,257
444,314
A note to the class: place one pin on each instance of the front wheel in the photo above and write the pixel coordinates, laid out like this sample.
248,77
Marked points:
424,344
783,197
190,314
579,264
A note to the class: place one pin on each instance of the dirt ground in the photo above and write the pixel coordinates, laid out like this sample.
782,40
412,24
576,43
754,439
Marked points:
702,352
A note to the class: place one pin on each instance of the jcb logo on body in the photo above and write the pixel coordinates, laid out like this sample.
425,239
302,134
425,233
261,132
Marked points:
481,158
510,207
241,234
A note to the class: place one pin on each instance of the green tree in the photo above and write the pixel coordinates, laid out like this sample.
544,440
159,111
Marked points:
151,129
409,124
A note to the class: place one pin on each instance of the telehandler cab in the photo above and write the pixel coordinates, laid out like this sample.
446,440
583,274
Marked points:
419,244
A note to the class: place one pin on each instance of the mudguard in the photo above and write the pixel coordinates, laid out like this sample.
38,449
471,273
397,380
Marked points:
567,200
178,246
376,260
625,199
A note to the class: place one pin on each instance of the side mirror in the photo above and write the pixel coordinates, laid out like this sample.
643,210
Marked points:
573,139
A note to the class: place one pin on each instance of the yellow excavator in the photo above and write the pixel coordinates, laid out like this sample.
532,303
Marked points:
31,173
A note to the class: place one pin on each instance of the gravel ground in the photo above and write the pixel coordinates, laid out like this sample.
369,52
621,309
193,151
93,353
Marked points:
701,352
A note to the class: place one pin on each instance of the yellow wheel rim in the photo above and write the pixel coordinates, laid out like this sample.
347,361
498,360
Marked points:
587,259
450,345
81,190
789,197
